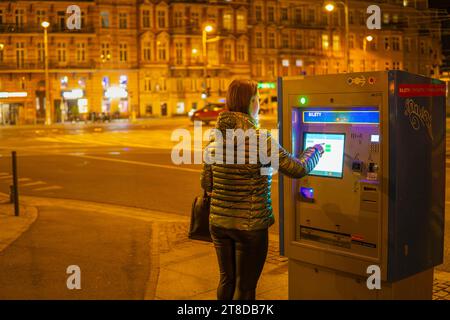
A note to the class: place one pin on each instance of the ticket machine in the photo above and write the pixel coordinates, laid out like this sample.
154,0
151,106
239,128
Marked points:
374,204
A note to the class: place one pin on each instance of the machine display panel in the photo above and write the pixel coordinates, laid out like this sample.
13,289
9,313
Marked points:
342,117
332,162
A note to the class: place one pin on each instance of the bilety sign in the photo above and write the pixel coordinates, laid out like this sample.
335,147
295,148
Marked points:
421,90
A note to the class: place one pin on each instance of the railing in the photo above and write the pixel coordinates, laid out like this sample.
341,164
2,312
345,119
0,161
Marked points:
52,65
34,28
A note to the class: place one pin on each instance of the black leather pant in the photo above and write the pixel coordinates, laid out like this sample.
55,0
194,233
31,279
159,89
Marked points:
241,256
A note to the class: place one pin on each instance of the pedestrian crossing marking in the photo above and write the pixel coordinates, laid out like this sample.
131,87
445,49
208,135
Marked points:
37,183
48,188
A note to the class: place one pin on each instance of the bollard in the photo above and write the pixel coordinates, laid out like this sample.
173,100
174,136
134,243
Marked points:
11,194
15,184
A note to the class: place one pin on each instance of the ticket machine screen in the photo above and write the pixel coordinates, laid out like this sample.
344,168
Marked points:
332,162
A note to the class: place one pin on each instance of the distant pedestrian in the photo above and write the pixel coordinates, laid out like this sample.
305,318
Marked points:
241,206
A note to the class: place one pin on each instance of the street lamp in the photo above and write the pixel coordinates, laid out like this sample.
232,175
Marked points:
206,29
368,38
331,6
48,113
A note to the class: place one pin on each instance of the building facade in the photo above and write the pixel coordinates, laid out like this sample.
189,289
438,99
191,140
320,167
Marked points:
148,58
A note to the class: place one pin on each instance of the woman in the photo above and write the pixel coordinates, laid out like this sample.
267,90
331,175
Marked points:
241,207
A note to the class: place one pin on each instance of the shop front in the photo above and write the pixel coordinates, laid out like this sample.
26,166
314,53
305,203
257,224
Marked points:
73,106
115,102
12,110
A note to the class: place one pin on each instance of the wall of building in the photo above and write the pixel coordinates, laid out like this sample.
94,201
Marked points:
157,46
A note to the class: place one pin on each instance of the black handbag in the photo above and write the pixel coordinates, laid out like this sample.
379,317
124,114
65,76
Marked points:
199,228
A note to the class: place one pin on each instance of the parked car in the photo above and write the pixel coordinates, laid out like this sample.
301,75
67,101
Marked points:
208,113
268,104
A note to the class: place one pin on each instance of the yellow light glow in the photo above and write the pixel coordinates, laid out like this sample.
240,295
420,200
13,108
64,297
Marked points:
209,28
45,24
194,51
2,46
329,6
369,38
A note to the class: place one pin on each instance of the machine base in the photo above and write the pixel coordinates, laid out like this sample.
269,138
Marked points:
310,282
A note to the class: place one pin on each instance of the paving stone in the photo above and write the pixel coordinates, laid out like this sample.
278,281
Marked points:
441,293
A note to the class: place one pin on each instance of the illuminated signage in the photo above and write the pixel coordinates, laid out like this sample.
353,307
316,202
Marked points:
73,94
116,93
344,117
82,105
266,85
4,94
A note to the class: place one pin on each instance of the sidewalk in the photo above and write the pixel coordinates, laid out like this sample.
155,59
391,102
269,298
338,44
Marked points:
192,265
12,227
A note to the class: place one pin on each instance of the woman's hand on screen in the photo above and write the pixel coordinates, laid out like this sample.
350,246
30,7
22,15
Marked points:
319,147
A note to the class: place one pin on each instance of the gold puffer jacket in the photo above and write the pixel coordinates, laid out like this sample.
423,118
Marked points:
240,193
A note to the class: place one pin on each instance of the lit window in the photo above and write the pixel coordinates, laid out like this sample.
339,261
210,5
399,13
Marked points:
241,21
123,80
105,82
299,63
285,63
227,21
64,81
336,43
325,41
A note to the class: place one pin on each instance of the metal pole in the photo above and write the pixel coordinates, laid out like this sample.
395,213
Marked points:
347,46
365,52
15,184
48,113
204,60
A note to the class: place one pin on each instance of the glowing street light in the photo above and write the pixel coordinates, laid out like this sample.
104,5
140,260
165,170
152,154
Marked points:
194,51
369,38
329,6
209,28
45,24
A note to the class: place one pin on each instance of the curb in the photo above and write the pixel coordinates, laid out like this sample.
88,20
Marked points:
28,216
152,282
